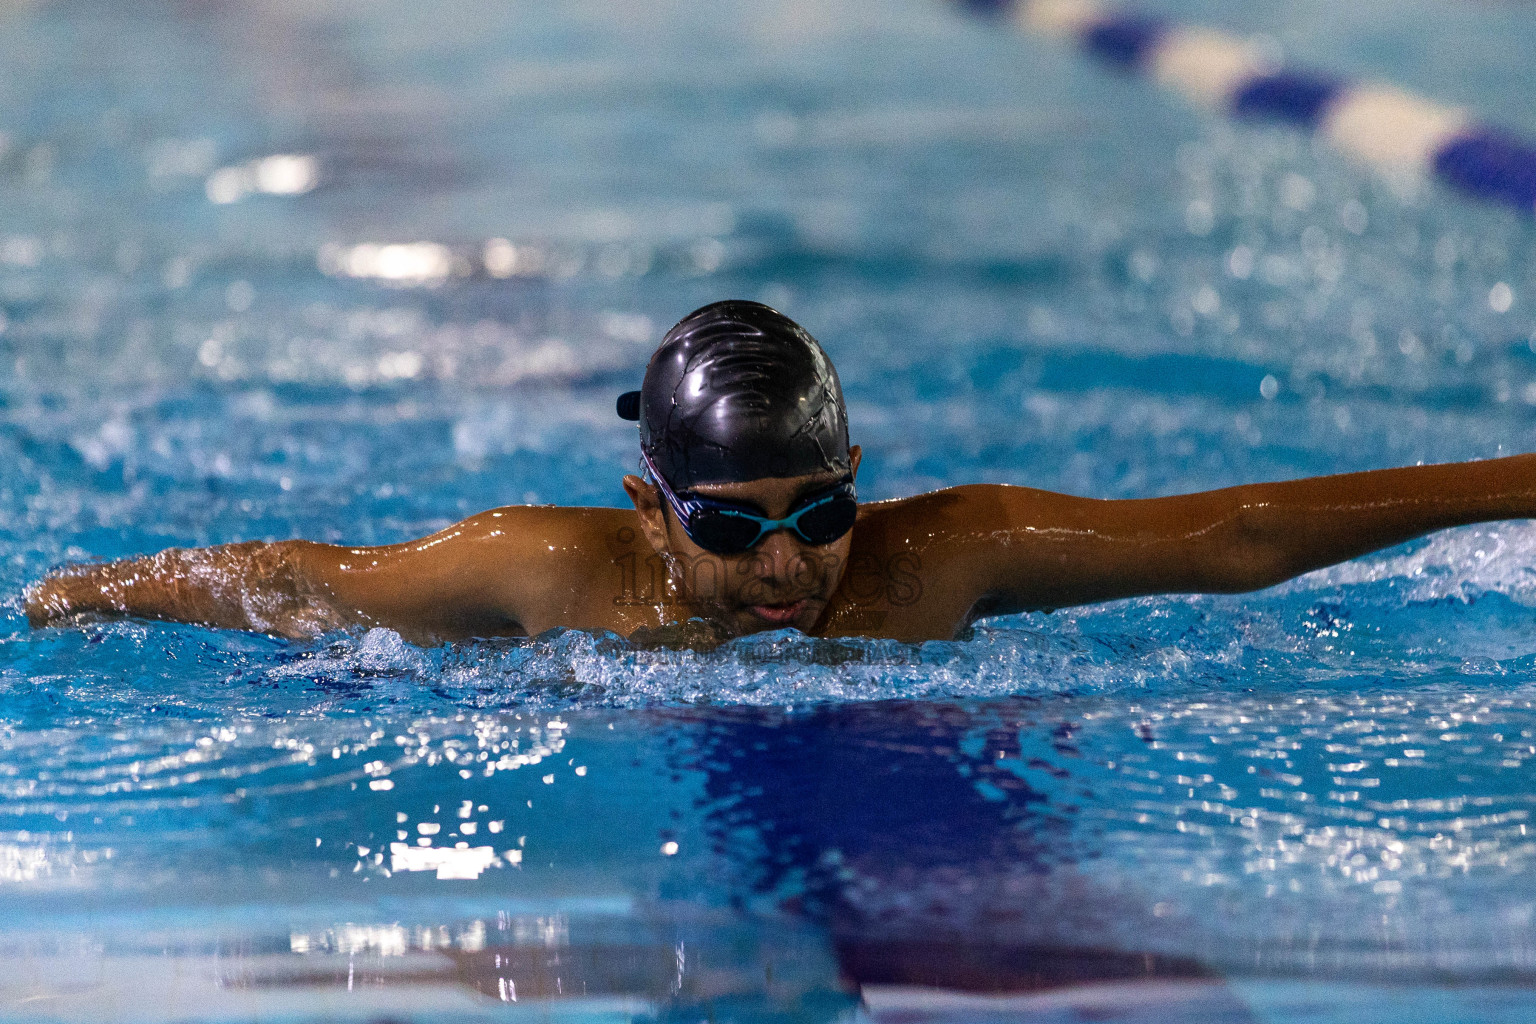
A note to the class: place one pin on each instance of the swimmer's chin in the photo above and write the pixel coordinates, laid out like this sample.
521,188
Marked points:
692,634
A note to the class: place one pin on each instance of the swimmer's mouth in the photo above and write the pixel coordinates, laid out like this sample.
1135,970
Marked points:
779,614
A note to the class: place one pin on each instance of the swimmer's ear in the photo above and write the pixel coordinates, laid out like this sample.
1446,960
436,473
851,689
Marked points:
647,501
855,456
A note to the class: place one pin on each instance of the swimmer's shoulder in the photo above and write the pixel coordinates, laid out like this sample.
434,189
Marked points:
952,514
563,531
548,518
569,566
559,546
921,568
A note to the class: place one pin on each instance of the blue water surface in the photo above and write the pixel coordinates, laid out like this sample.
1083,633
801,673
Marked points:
350,271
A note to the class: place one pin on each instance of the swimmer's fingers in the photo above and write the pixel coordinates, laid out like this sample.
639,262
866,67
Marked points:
47,602
38,604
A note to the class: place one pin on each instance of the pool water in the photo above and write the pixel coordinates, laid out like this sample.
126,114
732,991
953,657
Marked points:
351,271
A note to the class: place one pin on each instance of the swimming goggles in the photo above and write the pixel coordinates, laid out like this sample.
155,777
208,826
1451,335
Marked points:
726,528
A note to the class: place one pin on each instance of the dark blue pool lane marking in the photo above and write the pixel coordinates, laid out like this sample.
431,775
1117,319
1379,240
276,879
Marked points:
1483,162
1126,42
1491,164
1297,98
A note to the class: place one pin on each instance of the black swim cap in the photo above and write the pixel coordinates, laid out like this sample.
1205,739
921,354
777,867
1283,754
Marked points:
738,391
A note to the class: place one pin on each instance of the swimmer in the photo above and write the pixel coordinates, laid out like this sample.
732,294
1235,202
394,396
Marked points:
747,518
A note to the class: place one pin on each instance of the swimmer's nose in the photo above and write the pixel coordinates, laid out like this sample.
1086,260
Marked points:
779,559
778,549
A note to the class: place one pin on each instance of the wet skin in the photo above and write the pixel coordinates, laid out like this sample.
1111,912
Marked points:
911,569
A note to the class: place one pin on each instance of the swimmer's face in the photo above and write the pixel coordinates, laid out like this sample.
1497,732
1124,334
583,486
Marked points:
782,582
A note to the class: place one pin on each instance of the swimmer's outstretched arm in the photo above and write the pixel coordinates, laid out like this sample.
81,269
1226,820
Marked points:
254,586
1038,550
473,578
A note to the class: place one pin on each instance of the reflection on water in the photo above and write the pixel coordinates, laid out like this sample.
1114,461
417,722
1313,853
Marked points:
852,798
1052,855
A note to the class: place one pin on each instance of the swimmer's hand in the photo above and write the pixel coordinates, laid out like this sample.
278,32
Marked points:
254,586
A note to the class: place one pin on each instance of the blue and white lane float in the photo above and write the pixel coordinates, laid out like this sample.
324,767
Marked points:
1381,125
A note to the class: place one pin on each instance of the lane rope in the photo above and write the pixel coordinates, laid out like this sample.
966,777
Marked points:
1378,124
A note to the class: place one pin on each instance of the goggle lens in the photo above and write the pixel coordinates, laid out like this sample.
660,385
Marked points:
721,533
828,520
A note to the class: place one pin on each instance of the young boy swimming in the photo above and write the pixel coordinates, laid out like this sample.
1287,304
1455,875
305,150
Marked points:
748,520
